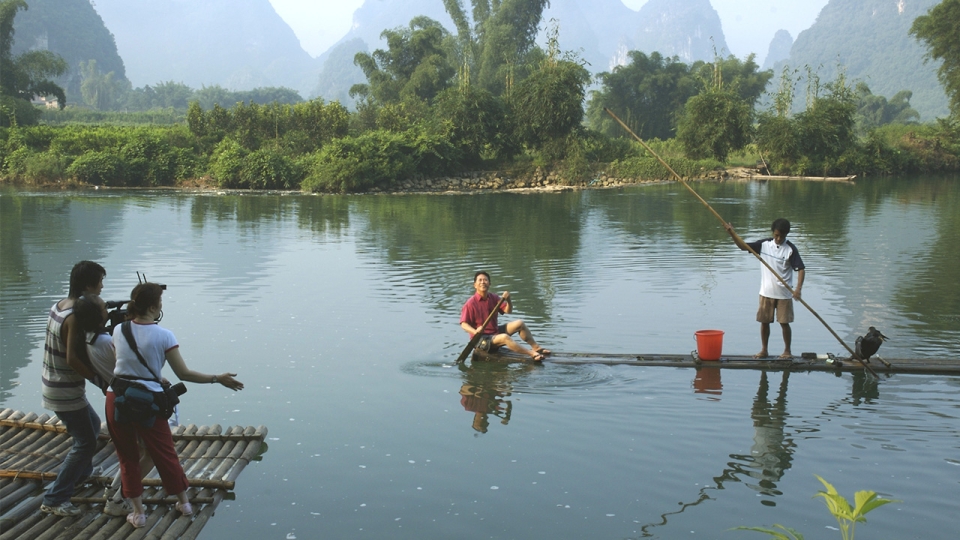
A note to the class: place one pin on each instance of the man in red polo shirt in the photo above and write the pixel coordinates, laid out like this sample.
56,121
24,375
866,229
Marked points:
479,306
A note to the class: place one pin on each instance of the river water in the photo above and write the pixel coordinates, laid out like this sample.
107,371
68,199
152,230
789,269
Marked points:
340,313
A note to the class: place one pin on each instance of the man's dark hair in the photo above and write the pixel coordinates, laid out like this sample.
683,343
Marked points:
782,225
87,313
481,273
85,275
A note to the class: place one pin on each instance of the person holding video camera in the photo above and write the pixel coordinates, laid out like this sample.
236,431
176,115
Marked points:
90,312
140,358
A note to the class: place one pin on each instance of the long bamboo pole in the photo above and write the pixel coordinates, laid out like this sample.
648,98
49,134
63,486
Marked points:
853,353
105,480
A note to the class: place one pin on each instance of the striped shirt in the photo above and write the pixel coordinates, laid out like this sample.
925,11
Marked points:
63,388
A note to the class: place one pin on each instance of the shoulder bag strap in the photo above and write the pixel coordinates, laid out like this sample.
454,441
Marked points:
127,333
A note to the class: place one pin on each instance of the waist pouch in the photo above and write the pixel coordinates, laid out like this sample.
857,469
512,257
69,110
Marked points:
134,403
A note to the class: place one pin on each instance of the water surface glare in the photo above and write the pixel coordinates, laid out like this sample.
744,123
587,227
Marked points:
340,316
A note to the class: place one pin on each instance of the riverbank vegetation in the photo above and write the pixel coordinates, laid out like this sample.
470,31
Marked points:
484,98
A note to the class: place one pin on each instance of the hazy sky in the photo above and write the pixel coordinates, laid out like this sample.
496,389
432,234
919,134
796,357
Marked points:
748,25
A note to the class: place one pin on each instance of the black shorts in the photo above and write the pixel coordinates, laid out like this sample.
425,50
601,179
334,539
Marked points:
486,342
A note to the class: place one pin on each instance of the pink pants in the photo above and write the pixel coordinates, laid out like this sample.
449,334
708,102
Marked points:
159,443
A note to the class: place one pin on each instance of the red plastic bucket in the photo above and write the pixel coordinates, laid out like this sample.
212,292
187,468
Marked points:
709,344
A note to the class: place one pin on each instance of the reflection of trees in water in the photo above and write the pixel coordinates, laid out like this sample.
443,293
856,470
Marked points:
40,241
657,211
770,456
433,244
322,215
940,263
485,387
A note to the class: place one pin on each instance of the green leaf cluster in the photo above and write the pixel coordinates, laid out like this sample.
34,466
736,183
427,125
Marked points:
847,516
813,141
650,93
875,111
938,29
25,75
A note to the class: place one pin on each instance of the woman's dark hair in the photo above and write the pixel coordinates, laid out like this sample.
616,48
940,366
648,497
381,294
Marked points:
85,275
143,297
88,314
782,225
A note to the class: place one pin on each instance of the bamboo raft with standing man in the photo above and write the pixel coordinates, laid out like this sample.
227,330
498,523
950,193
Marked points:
782,276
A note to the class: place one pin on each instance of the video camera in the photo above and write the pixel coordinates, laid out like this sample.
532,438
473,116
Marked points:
115,312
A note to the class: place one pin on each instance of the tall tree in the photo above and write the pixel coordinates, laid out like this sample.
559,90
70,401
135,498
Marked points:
548,105
742,77
715,123
648,94
938,28
875,111
27,75
414,65
101,91
494,48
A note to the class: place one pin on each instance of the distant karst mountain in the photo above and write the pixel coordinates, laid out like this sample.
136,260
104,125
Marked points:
72,29
689,29
871,39
238,44
779,49
600,31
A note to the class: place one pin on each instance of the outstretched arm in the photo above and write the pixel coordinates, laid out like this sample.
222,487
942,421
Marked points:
186,374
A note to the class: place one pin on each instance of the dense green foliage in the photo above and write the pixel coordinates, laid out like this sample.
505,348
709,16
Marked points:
875,111
650,93
414,66
714,124
812,142
24,76
939,29
423,114
548,104
495,49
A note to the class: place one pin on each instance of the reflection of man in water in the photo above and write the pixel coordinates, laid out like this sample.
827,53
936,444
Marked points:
772,451
485,385
483,402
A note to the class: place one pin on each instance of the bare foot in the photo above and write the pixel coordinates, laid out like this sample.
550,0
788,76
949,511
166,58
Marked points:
786,356
541,350
761,354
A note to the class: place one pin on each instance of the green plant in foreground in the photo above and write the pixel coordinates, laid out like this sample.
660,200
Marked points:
847,516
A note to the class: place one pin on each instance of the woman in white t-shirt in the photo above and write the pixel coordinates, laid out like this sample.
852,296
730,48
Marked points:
157,346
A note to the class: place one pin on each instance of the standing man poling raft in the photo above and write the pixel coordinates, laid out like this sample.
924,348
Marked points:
480,305
783,257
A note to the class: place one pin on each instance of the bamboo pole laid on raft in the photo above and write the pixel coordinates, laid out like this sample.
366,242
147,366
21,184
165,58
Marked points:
853,353
106,480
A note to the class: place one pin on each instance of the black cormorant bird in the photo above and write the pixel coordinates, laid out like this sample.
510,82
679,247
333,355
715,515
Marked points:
869,343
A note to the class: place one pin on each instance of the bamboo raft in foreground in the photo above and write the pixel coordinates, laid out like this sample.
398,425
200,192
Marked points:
32,448
942,366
